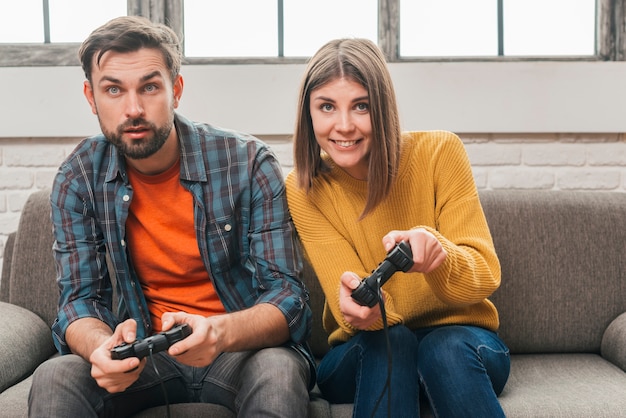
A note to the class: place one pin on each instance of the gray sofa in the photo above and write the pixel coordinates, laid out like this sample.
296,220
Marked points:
562,305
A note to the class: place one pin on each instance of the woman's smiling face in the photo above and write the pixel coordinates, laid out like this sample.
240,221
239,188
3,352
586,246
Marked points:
340,114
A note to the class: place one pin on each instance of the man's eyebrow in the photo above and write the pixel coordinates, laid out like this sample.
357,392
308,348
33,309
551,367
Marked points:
146,77
110,79
151,75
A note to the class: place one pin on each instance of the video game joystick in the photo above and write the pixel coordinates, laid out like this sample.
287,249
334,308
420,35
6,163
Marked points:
399,258
152,344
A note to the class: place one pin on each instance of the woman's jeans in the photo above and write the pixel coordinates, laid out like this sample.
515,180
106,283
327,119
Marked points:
268,382
460,369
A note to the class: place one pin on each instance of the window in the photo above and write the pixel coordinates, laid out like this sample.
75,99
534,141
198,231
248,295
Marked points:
271,28
235,28
444,28
549,27
23,23
310,25
45,21
69,22
46,32
440,28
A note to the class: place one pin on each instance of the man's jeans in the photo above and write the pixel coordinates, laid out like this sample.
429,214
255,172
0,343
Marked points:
461,369
252,383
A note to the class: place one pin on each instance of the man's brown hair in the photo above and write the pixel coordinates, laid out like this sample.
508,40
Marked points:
129,34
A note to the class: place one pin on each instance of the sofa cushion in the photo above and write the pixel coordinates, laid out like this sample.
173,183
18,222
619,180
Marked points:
319,337
563,267
318,408
564,385
26,342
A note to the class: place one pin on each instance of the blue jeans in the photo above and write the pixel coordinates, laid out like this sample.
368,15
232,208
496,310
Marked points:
251,383
461,370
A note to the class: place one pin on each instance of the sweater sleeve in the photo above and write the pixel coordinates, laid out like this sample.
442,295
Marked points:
471,271
329,251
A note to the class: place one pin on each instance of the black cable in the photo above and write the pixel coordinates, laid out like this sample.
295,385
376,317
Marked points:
387,386
156,370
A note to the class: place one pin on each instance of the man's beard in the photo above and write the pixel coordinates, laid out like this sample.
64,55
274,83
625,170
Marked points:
139,149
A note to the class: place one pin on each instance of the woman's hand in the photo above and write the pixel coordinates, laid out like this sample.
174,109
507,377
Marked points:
428,253
359,317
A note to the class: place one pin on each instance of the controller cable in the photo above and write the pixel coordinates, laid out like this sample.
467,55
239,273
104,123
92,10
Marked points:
156,370
387,386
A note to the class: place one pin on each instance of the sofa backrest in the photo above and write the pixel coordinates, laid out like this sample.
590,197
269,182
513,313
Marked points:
563,260
31,276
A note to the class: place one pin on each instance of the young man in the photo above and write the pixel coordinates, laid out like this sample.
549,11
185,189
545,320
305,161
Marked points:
195,222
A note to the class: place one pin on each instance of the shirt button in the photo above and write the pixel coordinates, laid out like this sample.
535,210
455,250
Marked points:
126,198
227,227
123,243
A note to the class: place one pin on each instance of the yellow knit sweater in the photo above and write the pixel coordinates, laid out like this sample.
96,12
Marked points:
435,190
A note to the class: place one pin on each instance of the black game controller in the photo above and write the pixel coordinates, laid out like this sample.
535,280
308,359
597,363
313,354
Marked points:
399,258
154,343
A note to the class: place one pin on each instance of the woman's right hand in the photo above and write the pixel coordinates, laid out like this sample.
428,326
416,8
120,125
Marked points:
358,316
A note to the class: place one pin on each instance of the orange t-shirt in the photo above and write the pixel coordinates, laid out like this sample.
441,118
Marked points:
163,247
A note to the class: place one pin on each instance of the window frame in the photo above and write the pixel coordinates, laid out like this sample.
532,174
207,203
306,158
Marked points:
610,39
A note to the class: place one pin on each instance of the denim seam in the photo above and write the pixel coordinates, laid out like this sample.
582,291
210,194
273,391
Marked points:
432,406
487,347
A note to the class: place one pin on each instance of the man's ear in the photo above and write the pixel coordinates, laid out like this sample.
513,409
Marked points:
178,90
88,92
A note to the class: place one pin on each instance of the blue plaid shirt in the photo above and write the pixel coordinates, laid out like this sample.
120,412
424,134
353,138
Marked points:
243,227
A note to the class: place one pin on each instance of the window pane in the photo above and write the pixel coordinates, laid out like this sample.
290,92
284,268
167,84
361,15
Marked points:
21,21
234,28
70,20
448,28
309,25
74,20
549,27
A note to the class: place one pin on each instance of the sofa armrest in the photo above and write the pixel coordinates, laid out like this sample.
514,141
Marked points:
25,342
613,346
5,279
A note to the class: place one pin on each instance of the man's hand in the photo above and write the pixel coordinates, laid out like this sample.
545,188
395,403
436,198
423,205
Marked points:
428,253
360,317
203,345
116,375
262,325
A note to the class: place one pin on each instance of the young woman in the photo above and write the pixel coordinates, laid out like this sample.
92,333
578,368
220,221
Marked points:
359,187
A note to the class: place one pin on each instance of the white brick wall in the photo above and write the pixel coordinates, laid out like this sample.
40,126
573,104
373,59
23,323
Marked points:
549,161
500,161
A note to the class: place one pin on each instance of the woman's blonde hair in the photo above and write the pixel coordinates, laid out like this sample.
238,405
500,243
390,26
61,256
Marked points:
359,60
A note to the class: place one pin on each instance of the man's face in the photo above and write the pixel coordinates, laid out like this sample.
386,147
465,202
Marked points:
134,98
